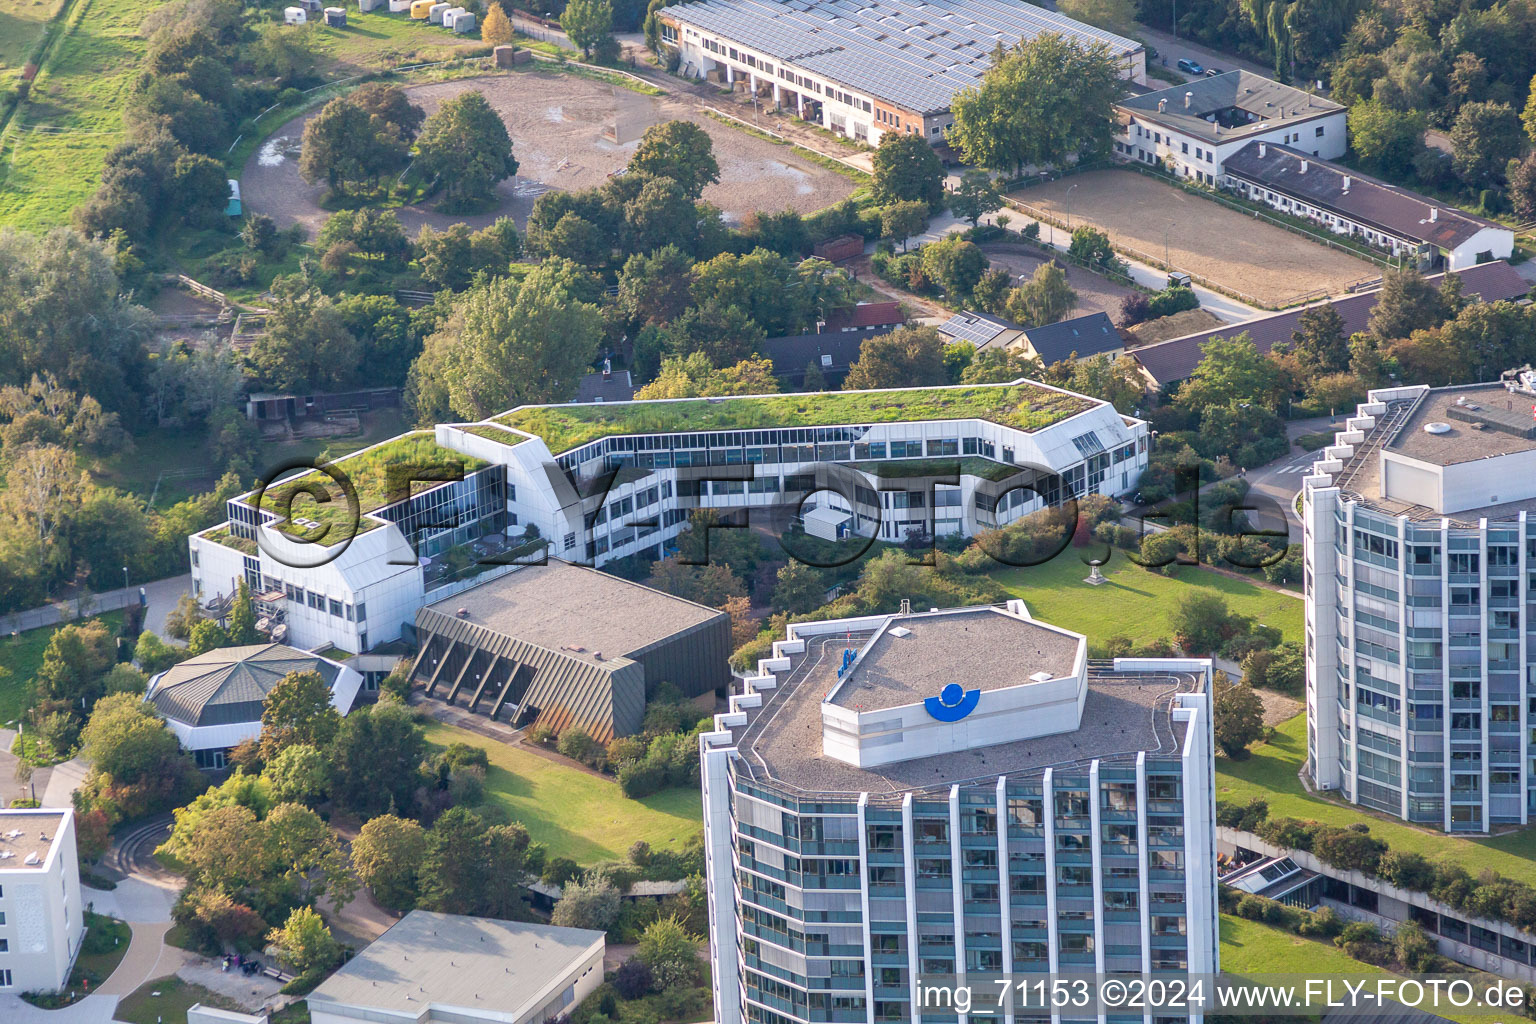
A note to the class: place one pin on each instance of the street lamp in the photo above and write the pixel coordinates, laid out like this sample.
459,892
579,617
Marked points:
1069,207
125,577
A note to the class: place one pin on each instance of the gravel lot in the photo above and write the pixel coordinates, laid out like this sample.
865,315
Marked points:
1238,252
1095,293
556,122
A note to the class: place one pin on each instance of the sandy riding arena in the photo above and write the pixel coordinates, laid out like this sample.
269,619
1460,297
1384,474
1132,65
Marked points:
1238,252
558,124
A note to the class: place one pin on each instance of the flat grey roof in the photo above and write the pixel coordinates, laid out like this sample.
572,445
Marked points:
998,650
1125,713
1464,443
474,964
27,832
559,606
913,54
1267,104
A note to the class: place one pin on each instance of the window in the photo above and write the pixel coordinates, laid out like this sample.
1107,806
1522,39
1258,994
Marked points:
5,978
1319,132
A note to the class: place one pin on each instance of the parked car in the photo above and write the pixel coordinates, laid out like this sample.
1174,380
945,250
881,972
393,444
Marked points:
1189,67
1213,72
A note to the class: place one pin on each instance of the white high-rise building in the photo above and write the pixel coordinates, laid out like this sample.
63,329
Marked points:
1420,548
41,917
952,797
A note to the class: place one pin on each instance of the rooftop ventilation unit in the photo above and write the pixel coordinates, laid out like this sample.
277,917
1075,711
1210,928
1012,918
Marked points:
1040,677
901,631
1437,427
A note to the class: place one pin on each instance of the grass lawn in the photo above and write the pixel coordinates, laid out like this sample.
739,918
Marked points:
21,656
379,39
1252,948
166,1001
81,89
21,24
1136,602
572,813
1270,772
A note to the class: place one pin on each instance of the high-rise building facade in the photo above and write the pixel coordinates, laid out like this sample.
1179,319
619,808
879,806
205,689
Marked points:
951,797
1420,548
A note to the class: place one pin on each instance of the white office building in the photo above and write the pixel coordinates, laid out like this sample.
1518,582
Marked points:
948,797
1420,549
42,920
1191,129
605,480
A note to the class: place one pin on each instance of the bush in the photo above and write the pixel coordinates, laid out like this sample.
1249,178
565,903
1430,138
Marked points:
543,735
578,745
641,779
633,978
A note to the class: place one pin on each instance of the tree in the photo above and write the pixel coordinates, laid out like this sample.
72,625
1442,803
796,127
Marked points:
305,945
679,150
511,343
306,345
390,105
1201,623
497,28
1528,115
908,357
1484,138
128,743
1230,370
1091,246
654,287
1522,188
387,853
957,265
907,170
999,366
1406,303
201,187
1319,341
670,952
977,196
1047,99
1115,15
207,636
592,902
1044,299
376,759
711,585
901,220
1386,140
695,377
588,23
1239,717
345,145
242,616
296,710
76,658
465,144
800,588
298,774
474,868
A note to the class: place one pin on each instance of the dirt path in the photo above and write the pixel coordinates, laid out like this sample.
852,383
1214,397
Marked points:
557,122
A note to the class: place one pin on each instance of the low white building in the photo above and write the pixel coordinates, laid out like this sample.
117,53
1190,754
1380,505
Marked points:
1192,129
213,702
451,969
1409,226
42,920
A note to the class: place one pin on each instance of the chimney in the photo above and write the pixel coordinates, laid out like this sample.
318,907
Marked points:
1263,150
1434,214
1189,97
607,368
1347,180
1303,167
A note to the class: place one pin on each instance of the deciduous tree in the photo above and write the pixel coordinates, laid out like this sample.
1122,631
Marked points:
387,855
466,145
907,170
296,710
908,357
679,150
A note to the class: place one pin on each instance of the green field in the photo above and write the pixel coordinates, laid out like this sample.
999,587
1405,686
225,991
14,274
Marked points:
20,658
166,1001
21,25
53,151
1270,773
378,40
1136,602
572,813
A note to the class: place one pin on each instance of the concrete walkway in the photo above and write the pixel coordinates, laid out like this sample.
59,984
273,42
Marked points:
62,783
162,595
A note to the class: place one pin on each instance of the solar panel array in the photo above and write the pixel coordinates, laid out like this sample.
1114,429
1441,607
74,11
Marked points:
972,329
914,54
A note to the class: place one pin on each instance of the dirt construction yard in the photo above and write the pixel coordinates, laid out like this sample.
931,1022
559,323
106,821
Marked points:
557,123
1238,252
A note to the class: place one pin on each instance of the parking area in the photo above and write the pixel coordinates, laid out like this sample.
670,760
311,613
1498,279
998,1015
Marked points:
1238,252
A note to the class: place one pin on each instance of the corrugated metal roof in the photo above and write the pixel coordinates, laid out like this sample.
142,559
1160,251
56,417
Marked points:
209,688
913,54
